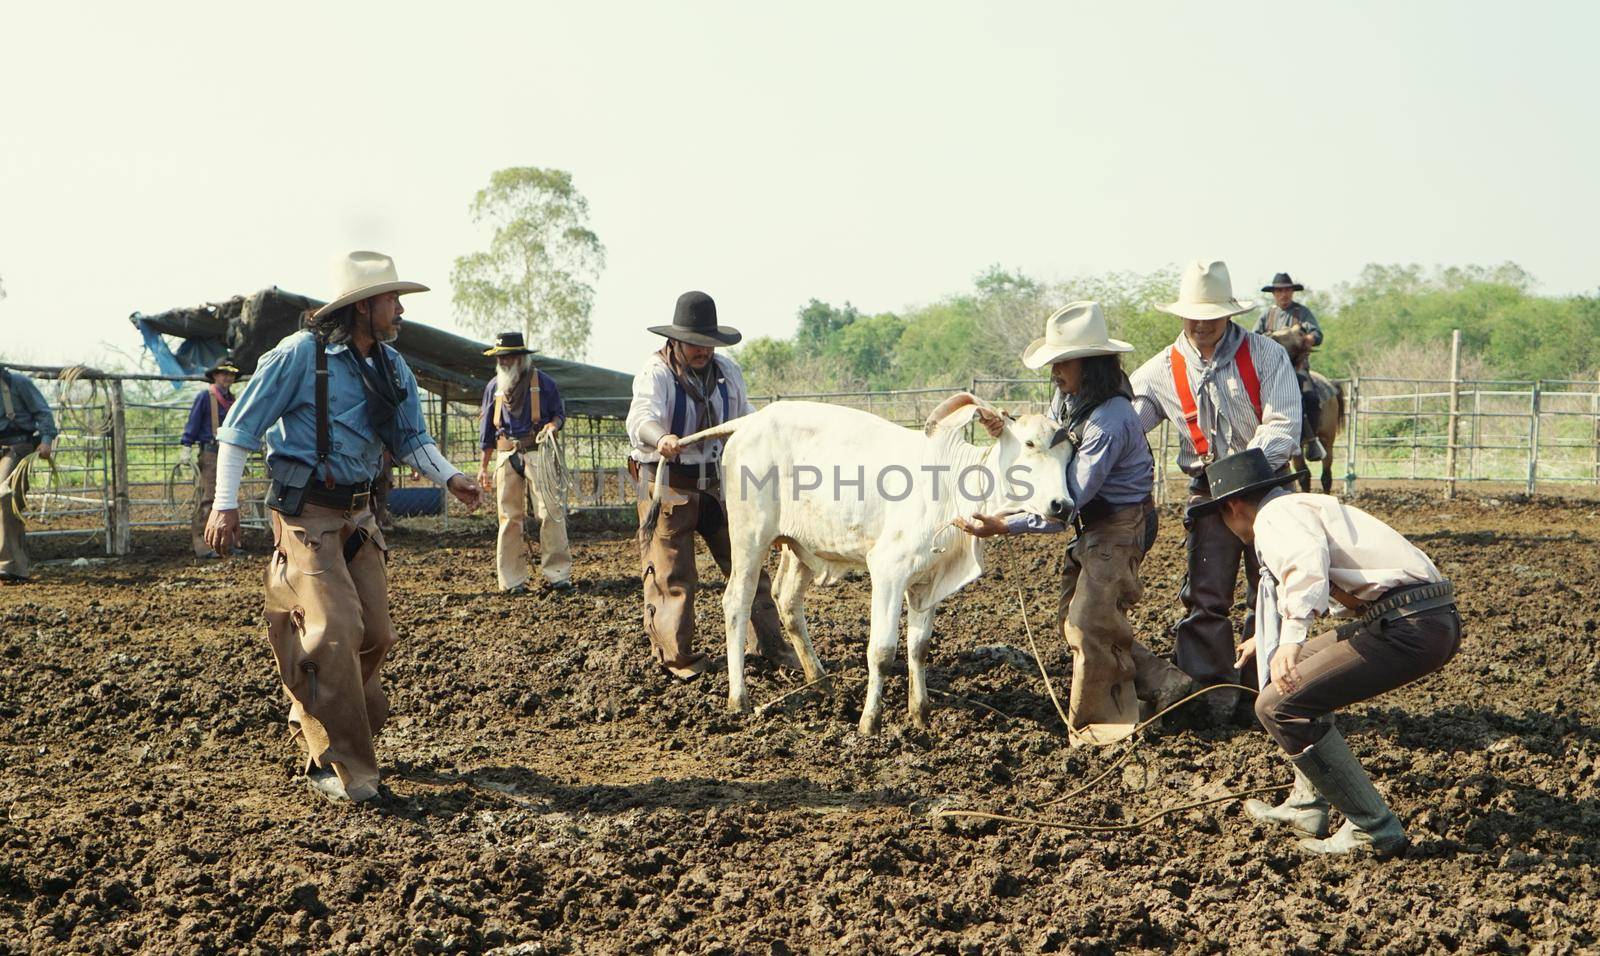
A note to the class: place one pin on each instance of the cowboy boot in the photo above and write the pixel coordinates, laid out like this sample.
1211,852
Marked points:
1369,824
1304,809
1158,682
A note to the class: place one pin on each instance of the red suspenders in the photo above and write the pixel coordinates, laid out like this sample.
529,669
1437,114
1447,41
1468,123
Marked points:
1191,415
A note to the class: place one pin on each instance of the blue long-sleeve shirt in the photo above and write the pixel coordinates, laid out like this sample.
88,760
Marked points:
522,423
197,431
23,410
279,405
1112,462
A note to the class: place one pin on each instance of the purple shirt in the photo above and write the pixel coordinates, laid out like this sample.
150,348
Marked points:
198,430
522,424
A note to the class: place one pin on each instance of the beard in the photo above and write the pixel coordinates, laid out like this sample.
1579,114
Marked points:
506,378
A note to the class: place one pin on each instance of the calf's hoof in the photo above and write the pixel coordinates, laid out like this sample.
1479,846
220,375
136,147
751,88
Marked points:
919,717
870,725
739,705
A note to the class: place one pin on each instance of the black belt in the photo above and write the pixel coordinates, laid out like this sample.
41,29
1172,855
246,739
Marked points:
342,497
1100,508
697,477
1398,603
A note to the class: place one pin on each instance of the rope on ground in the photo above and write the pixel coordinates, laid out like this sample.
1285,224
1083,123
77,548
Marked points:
1134,740
803,687
1022,607
1135,826
968,700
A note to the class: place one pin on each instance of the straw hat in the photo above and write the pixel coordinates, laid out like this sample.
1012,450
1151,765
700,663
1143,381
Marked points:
362,275
1206,292
1075,330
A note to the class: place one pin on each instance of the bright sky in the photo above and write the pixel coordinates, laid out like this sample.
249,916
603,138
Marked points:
161,154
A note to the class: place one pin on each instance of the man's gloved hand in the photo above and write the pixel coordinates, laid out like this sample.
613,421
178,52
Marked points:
186,456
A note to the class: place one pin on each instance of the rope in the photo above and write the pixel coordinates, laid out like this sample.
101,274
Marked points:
172,482
806,686
16,484
1023,608
1135,826
550,465
77,411
1133,738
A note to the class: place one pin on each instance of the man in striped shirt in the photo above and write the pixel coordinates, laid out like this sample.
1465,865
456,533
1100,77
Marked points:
1225,390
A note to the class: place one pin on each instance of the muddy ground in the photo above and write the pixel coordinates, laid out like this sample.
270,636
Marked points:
552,791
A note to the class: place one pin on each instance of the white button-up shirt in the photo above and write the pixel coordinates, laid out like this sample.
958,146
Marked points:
1308,542
654,395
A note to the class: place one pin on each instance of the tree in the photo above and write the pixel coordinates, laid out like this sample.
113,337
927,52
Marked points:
538,271
820,322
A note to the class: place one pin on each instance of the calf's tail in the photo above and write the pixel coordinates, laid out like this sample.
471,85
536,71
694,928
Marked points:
658,488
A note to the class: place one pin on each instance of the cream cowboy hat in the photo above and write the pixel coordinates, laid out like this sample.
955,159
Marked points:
1076,330
1206,292
362,275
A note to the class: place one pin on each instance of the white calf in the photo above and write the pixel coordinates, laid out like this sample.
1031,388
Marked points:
839,488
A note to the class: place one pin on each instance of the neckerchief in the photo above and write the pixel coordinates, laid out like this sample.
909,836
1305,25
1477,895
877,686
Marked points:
697,386
224,398
517,399
1267,624
1212,410
384,395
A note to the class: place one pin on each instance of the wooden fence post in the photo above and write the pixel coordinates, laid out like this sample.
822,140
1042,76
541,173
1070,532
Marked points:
1533,439
1353,413
1455,413
121,535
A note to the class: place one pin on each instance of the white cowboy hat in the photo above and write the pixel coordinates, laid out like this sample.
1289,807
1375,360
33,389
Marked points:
1075,330
1206,292
362,275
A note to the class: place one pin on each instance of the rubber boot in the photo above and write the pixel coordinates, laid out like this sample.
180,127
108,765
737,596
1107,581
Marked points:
1304,810
1369,824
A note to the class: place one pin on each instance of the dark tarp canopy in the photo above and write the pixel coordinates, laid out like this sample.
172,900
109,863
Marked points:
245,327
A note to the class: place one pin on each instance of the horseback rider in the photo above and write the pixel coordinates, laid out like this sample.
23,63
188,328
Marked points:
1287,314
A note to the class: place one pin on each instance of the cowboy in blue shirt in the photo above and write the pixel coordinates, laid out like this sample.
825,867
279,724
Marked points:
205,418
327,602
521,409
1111,479
25,424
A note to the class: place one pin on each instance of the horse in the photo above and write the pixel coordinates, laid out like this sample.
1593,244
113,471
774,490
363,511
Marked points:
1330,411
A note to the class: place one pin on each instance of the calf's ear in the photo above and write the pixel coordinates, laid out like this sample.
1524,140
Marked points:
1060,436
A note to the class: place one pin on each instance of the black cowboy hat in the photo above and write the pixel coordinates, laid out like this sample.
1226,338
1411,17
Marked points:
223,365
1238,474
695,321
1282,281
509,343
